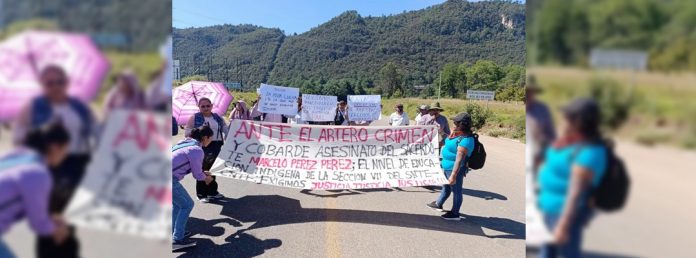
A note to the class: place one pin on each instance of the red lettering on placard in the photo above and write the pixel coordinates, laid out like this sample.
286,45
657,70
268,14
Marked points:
283,133
247,131
162,194
306,134
131,132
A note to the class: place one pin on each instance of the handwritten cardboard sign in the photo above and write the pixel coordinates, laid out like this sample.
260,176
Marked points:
127,187
336,157
318,107
364,107
278,100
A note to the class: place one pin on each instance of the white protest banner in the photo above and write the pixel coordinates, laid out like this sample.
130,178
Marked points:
337,157
318,107
278,100
127,187
364,107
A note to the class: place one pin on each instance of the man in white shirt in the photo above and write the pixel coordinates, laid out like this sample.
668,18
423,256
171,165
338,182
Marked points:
399,117
423,116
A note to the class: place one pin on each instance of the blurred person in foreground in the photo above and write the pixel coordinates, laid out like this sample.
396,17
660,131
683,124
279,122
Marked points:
573,166
455,153
539,123
399,117
207,191
54,104
126,94
187,157
423,117
26,183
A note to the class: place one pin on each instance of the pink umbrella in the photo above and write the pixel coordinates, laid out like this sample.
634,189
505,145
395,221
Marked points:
24,55
185,99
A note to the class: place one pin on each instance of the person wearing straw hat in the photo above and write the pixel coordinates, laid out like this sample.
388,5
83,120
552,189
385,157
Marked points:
423,117
436,118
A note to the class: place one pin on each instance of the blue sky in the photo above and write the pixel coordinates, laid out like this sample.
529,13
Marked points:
292,16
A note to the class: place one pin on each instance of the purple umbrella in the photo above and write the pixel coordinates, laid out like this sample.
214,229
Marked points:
185,99
24,55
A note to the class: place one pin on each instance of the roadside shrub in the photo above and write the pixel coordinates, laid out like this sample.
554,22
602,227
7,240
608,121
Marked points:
478,114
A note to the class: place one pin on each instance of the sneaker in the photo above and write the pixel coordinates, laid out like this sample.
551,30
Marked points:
450,216
434,206
181,244
204,200
187,234
215,197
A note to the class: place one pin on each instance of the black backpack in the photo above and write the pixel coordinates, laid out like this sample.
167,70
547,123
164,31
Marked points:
612,192
478,154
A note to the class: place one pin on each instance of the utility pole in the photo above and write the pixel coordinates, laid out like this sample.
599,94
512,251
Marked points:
439,89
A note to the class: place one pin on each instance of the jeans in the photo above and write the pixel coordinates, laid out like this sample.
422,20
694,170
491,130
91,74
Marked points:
448,189
570,249
5,251
182,205
211,152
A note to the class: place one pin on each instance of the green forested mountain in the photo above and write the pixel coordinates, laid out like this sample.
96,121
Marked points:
143,23
352,51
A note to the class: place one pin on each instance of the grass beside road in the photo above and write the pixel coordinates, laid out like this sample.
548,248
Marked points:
506,120
662,111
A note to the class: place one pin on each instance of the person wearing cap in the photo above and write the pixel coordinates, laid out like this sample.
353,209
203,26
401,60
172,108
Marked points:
573,165
422,117
436,118
399,117
539,124
455,154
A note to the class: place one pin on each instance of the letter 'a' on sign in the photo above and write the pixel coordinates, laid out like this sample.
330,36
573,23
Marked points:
278,100
319,157
127,187
364,107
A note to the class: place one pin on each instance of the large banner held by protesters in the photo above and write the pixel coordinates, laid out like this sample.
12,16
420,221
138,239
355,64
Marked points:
364,107
318,107
127,187
278,100
337,157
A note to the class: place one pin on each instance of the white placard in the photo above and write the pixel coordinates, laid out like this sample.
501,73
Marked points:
127,187
336,157
364,107
278,100
480,95
318,107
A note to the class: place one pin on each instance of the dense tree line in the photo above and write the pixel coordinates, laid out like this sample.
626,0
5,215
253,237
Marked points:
564,31
143,23
388,54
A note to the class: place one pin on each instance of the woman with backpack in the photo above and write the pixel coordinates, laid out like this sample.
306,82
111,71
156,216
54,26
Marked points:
208,191
455,153
573,166
26,184
187,157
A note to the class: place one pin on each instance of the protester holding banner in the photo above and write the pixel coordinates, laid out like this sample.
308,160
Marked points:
341,113
455,153
399,117
267,117
436,118
187,157
126,94
422,117
25,185
297,119
573,165
207,191
240,111
54,104
158,95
